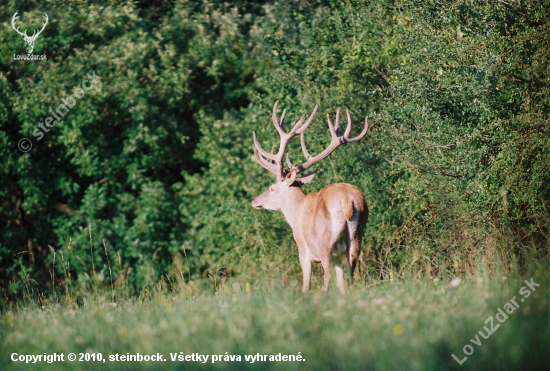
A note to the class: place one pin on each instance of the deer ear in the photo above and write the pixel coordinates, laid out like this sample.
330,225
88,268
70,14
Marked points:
307,178
290,178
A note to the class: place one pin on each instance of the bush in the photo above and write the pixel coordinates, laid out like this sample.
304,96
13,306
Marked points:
150,175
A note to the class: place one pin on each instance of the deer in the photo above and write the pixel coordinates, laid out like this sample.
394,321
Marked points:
29,40
328,225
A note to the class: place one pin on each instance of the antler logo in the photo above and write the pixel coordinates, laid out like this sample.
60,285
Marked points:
29,40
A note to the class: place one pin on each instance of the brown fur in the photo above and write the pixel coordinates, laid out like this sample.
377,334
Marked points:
327,225
324,224
314,234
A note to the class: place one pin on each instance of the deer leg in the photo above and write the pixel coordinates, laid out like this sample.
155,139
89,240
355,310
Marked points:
355,231
305,262
325,262
339,268
353,256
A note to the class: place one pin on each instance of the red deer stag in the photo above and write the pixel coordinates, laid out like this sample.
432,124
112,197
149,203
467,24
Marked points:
328,225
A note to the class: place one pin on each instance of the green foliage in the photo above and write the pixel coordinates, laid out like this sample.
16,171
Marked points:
470,109
151,173
103,182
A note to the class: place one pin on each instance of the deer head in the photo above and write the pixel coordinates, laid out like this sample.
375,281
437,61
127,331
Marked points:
29,40
287,177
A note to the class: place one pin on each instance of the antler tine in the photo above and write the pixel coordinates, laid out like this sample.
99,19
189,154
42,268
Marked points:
348,129
309,121
44,23
263,163
264,153
285,139
274,117
337,123
335,141
348,126
289,164
13,20
296,126
275,162
304,149
282,122
303,129
279,125
330,126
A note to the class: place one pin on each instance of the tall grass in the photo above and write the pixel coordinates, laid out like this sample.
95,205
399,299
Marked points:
410,324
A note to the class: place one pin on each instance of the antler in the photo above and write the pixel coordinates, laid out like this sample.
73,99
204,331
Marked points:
274,162
36,33
24,34
335,141
13,20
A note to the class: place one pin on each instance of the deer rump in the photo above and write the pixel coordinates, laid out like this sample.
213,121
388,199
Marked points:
340,206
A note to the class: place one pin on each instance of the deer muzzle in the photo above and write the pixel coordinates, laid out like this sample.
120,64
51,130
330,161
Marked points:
257,204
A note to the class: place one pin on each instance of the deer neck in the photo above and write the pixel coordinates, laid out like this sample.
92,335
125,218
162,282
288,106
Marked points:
292,203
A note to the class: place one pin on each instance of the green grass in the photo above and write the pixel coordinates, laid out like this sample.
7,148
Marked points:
411,325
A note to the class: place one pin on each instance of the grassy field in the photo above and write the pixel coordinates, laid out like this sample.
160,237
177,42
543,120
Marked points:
411,325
